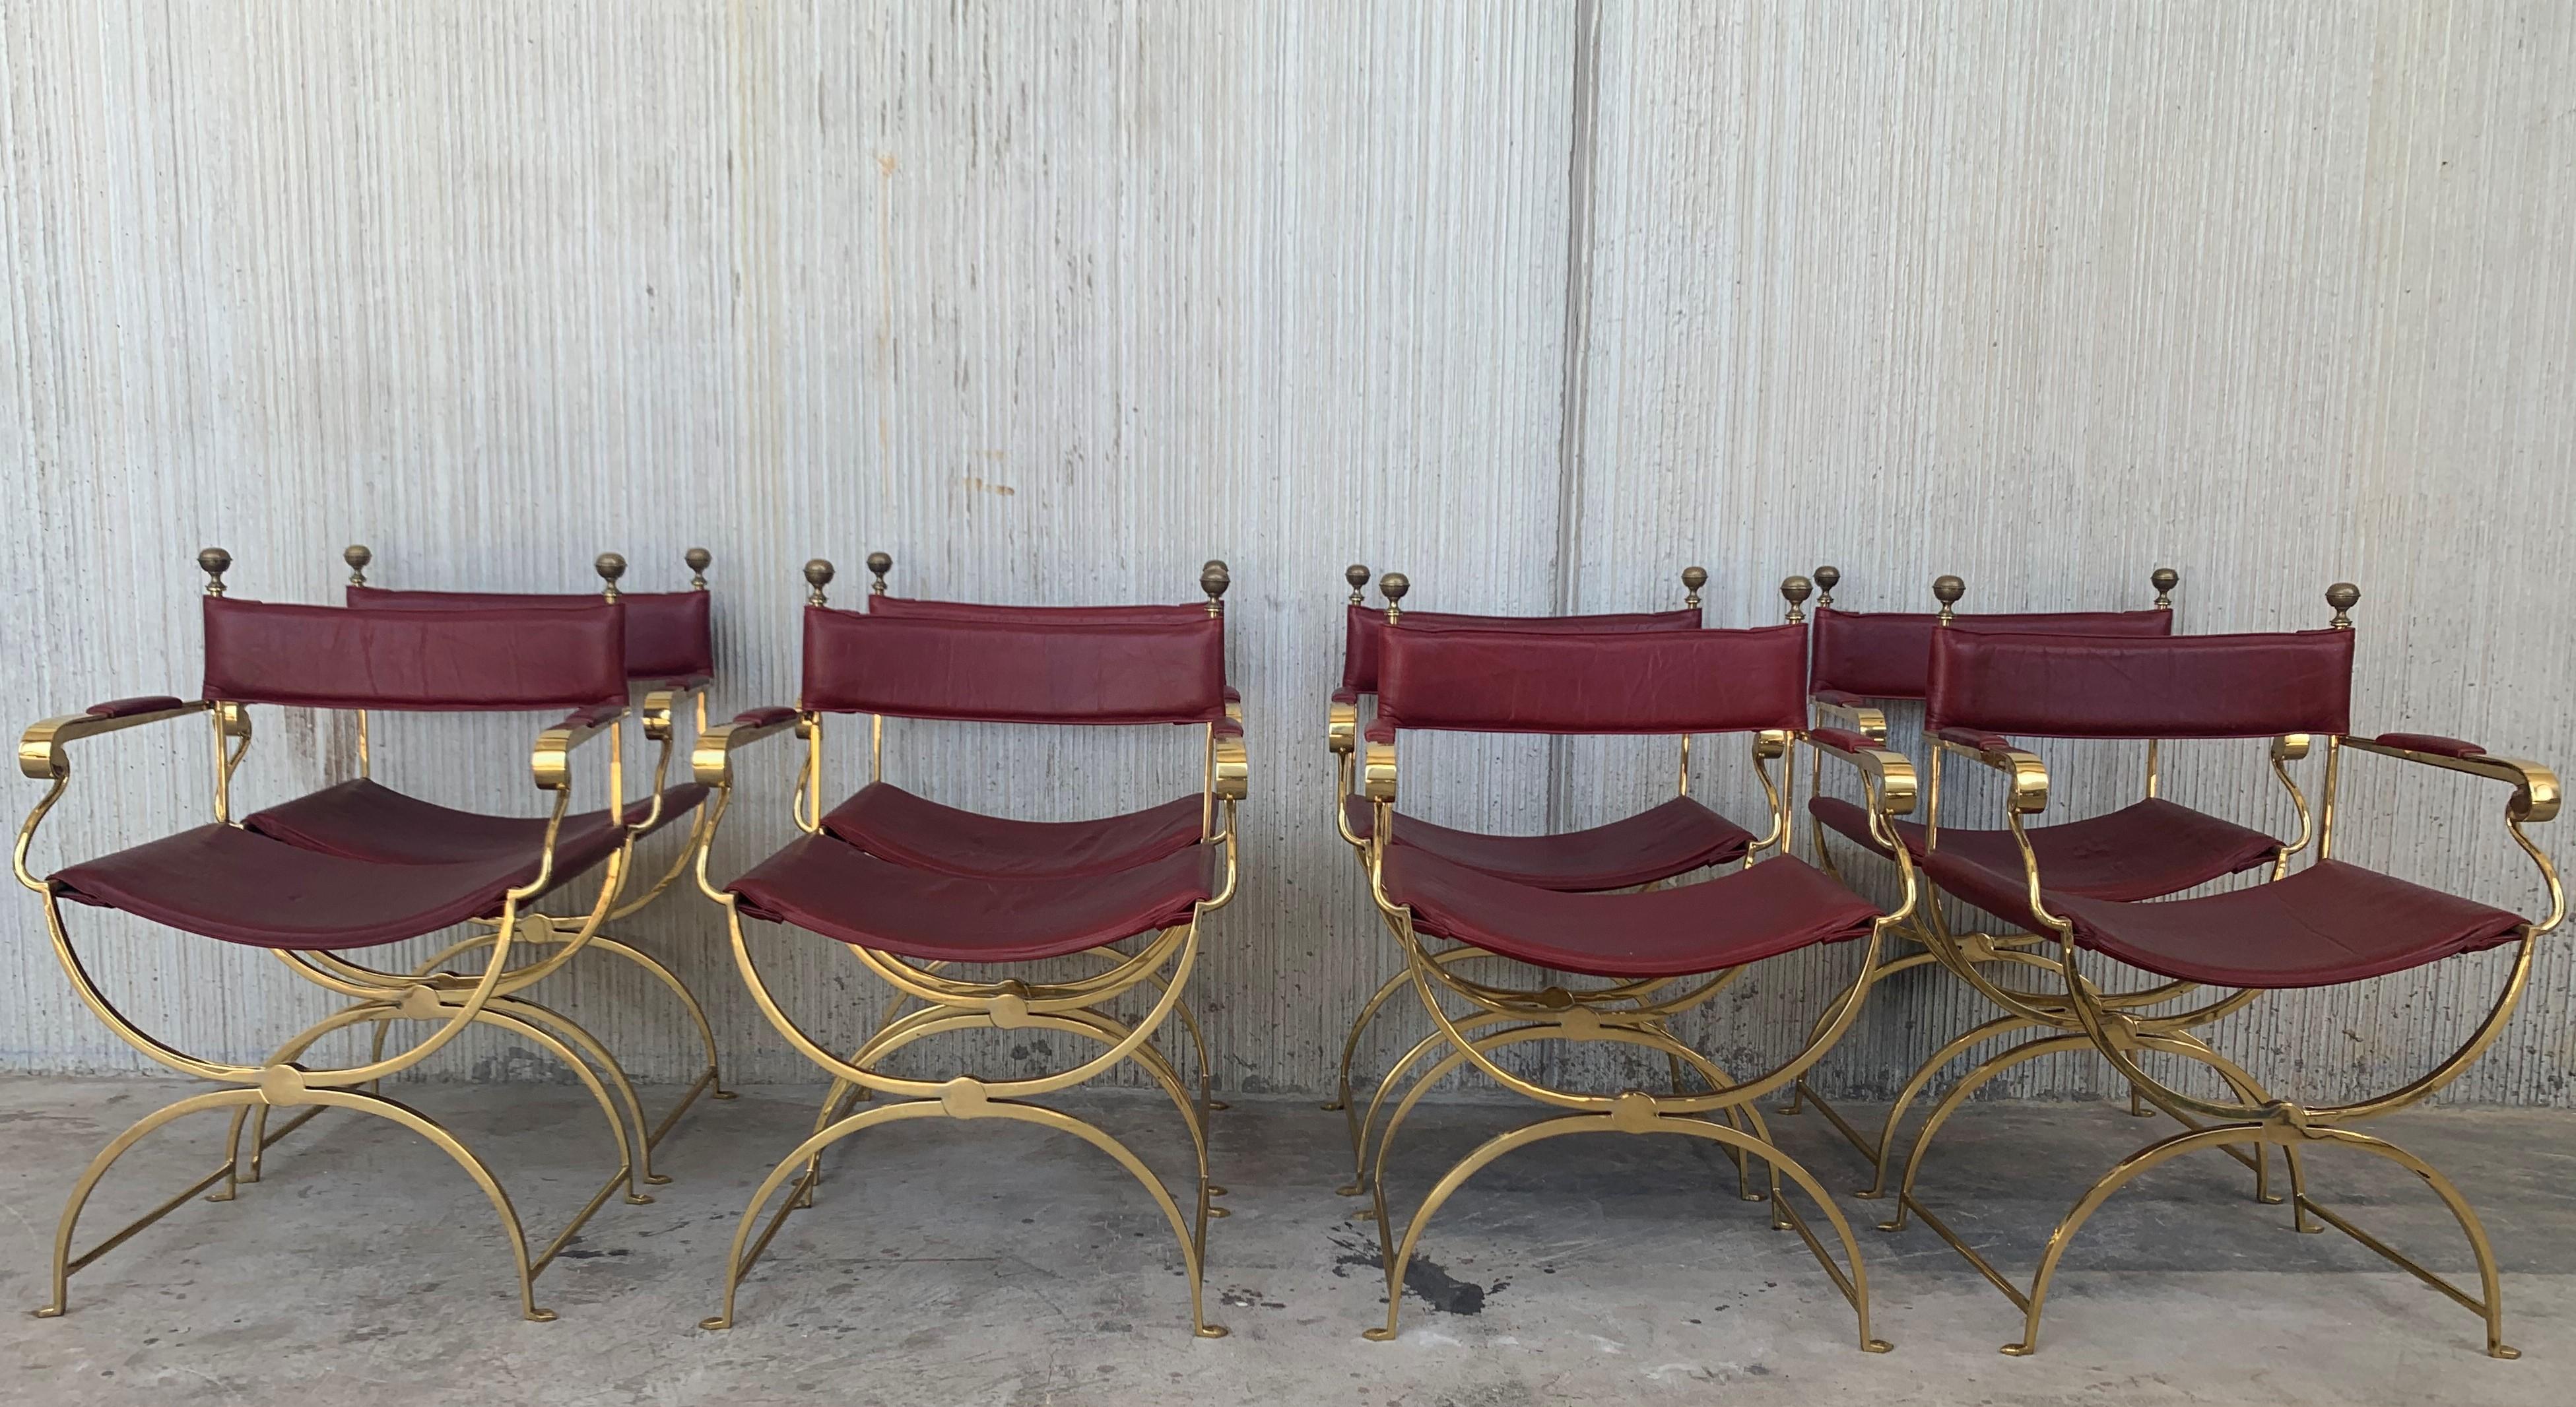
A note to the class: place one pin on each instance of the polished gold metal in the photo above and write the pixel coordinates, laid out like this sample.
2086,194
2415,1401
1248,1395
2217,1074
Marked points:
1357,574
2116,1029
1160,964
1693,578
610,567
1827,578
1947,590
698,560
1393,587
214,562
1213,580
2164,580
1795,590
2343,596
818,574
357,556
1725,1111
879,564
450,1003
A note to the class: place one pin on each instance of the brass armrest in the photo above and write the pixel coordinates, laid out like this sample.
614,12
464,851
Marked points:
1342,728
2535,787
2026,773
1377,773
40,748
659,702
711,760
1869,722
551,760
1233,769
1892,771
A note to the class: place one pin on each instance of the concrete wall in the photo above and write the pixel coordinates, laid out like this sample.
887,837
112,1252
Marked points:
1537,303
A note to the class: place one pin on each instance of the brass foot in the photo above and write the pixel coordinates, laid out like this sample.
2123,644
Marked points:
2019,1350
1380,1334
1211,1331
716,1321
541,1316
1877,1346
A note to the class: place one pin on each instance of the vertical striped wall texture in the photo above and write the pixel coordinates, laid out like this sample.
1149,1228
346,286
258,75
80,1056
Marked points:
1536,302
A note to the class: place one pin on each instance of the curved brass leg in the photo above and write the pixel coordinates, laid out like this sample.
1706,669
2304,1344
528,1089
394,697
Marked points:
1395,1073
63,1264
970,1105
1922,1078
641,1141
447,1143
1958,1095
1360,1025
1855,1288
2251,1091
2163,1150
2490,1288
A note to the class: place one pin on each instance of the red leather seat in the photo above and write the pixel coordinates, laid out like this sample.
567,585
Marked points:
832,888
1778,906
894,824
2143,851
361,820
227,883
1675,838
2329,923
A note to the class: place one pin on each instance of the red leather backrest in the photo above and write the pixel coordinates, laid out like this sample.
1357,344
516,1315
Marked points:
1006,671
487,658
1366,627
1035,616
1654,681
667,635
2183,686
1884,654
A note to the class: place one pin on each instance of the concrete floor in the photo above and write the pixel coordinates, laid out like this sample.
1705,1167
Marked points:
996,1264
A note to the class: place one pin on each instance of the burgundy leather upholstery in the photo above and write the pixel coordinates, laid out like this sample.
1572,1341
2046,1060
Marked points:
1675,838
127,708
1864,655
763,717
448,660
1842,738
1778,906
2329,923
2185,686
361,820
2145,851
1664,681
999,672
824,885
228,883
2432,743
1364,631
1041,617
893,824
667,632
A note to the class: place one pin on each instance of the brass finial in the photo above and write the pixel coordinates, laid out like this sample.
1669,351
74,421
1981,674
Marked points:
1392,586
699,559
1947,590
2343,596
357,556
2164,580
214,562
878,565
1795,590
610,567
1827,578
818,574
1214,579
1693,578
1357,574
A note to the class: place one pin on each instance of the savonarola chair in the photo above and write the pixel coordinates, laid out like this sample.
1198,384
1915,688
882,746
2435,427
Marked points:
881,874
2149,848
1648,954
2330,923
308,906
1651,847
670,651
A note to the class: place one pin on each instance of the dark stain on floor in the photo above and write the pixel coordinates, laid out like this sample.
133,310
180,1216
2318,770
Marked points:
1427,1279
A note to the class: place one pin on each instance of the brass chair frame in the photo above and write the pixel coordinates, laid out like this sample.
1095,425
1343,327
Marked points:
450,1000
1076,1007
2119,1030
1634,1013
